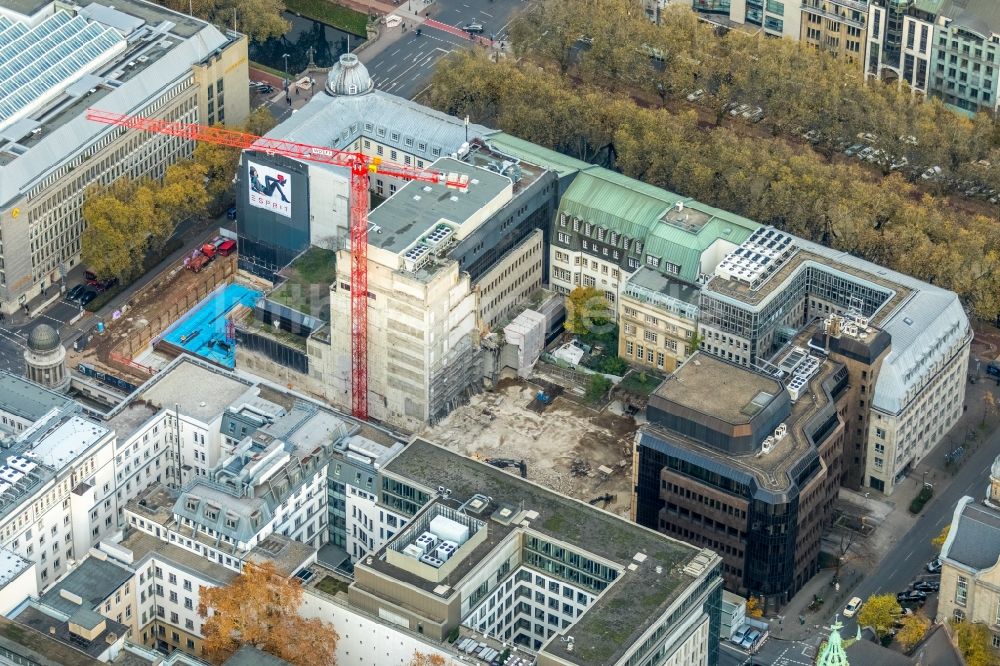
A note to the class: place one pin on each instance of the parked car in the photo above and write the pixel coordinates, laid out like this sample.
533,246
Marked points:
812,136
865,154
76,292
931,173
87,297
750,639
853,149
927,586
738,109
740,635
912,595
696,95
934,566
852,607
231,213
867,137
899,164
754,115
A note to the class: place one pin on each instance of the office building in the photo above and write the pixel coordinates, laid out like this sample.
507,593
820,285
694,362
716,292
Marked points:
487,552
836,26
57,484
609,225
970,583
900,40
745,464
965,61
350,115
659,320
911,384
135,58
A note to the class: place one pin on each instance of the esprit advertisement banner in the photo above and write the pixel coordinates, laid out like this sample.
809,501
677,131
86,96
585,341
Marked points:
270,189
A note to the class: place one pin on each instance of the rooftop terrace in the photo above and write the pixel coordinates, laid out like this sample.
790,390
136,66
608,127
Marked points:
629,605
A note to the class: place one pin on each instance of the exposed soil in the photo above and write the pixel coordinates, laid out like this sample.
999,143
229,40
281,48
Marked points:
563,446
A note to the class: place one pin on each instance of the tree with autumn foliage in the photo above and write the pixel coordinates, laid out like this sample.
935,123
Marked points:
260,608
938,541
754,608
421,659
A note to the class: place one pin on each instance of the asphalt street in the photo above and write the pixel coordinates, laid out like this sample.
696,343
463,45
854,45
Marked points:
405,68
909,558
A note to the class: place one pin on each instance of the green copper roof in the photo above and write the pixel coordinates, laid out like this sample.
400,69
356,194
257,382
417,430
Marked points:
646,213
530,152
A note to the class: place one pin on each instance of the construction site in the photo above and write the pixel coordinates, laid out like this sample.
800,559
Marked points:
562,444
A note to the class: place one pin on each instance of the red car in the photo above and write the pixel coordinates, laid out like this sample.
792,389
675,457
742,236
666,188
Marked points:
226,247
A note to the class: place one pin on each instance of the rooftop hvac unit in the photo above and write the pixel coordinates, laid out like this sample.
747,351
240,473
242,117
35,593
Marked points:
446,550
768,444
447,529
414,551
431,560
426,542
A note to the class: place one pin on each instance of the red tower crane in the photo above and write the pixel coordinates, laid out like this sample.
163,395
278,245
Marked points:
360,165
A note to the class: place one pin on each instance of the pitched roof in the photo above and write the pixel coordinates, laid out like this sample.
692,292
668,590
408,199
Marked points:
544,157
641,211
974,538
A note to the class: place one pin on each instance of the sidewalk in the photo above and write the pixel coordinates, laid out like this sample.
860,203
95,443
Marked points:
892,519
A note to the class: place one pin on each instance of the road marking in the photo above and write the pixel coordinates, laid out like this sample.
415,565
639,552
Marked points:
391,68
486,14
396,51
908,556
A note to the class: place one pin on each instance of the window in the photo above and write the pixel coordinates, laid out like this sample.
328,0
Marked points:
628,348
880,433
563,238
652,261
649,336
961,590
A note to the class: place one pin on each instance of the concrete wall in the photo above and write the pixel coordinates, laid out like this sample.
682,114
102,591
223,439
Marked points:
364,640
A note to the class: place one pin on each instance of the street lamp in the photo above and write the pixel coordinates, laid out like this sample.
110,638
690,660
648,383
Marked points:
285,57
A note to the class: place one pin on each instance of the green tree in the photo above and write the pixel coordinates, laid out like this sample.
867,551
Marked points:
587,311
119,220
879,613
938,541
597,387
258,19
913,631
975,643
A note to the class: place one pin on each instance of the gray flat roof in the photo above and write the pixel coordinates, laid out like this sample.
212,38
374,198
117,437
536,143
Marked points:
654,280
133,415
698,383
251,656
58,629
26,399
198,390
629,605
41,648
417,208
26,7
93,581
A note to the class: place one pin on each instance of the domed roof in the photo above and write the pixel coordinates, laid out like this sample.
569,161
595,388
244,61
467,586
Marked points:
43,338
349,77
